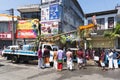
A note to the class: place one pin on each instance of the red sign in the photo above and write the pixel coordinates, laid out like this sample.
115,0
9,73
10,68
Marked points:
25,34
27,28
5,36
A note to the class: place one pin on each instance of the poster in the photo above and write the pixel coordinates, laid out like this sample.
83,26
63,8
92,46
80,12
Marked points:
54,12
27,28
49,28
45,13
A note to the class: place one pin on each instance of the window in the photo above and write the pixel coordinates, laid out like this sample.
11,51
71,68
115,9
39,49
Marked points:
31,15
101,23
111,22
89,21
4,26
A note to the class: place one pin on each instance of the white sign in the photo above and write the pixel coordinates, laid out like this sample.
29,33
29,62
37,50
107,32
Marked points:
5,36
45,13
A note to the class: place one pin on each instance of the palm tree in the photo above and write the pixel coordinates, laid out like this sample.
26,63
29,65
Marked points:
113,34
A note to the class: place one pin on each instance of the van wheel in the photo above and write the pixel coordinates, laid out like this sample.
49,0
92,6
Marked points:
15,59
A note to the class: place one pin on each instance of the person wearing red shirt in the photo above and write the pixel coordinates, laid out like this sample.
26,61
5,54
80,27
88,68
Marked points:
40,59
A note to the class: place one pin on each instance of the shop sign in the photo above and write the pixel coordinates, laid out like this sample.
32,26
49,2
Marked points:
5,36
27,28
50,13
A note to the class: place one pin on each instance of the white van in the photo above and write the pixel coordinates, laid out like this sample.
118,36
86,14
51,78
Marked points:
51,47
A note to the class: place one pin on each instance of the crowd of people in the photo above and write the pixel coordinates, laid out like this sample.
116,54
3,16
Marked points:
105,58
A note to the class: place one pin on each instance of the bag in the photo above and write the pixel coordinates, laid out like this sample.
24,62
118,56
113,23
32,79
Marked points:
96,58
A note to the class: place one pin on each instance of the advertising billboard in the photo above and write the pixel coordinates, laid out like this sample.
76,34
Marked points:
49,28
51,12
45,13
27,28
54,12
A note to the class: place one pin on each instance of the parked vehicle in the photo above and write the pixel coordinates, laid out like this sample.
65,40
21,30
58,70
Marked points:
25,53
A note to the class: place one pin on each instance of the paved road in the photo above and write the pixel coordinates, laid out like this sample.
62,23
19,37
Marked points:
10,71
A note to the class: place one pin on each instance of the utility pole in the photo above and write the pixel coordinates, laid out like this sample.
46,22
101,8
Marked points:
13,27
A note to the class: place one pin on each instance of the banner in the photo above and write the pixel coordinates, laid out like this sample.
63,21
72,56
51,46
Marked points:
27,28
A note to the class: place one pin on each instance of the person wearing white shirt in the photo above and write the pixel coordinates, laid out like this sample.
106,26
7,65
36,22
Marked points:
110,58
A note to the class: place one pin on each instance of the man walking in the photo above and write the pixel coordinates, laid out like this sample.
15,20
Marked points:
80,58
40,59
69,59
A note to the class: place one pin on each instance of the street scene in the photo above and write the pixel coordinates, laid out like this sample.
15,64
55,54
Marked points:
10,71
60,40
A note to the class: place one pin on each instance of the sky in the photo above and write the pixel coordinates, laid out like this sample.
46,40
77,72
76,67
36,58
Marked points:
88,6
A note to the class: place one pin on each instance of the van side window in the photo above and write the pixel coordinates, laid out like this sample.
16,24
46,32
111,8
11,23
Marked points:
8,47
48,47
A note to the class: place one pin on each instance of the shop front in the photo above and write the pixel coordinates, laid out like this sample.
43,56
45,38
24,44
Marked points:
102,42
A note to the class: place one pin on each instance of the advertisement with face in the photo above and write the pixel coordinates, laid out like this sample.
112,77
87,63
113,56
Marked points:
27,28
45,13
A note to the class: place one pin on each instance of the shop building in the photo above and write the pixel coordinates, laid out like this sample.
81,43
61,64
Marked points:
28,13
106,21
6,32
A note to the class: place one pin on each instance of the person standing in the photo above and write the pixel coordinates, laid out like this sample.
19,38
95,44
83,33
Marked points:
115,56
69,59
40,59
80,58
55,58
46,57
60,59
110,59
102,59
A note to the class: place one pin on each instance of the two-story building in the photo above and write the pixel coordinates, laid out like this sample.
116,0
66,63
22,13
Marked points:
6,30
106,21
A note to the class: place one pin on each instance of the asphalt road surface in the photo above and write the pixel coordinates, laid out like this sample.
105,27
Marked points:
22,71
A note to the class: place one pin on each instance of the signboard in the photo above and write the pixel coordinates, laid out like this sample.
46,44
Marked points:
47,1
49,28
50,13
54,12
45,13
6,36
27,28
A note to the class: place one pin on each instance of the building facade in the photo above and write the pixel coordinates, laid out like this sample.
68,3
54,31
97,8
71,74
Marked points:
106,21
60,16
56,16
6,32
28,14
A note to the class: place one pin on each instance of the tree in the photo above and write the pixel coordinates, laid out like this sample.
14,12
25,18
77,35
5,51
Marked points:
113,34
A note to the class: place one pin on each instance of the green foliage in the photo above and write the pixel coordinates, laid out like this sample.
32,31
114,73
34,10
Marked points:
63,39
114,34
117,29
